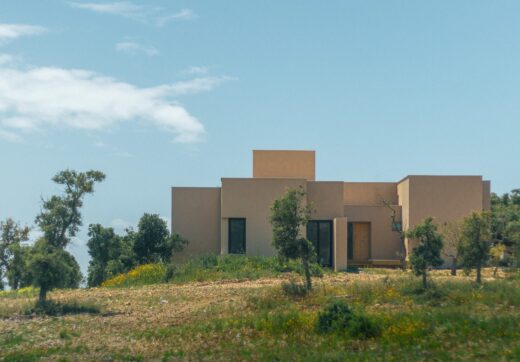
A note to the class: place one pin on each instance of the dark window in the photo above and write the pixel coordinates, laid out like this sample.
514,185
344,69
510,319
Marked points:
237,236
320,233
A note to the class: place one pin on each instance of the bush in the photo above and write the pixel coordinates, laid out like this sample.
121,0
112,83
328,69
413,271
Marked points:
338,318
51,308
294,289
141,275
209,267
171,271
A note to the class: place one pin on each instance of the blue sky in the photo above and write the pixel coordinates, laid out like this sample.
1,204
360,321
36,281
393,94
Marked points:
163,93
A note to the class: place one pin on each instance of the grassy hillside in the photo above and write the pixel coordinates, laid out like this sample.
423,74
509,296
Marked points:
253,319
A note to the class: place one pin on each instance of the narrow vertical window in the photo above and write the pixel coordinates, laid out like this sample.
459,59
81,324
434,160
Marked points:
237,236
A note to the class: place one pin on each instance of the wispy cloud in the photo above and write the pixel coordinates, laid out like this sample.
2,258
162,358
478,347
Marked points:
131,47
197,85
196,70
143,13
13,31
46,98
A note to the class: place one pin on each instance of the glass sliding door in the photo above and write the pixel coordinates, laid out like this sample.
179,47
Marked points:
320,233
237,236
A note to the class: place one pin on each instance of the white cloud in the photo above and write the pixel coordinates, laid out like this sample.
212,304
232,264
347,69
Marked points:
46,98
142,13
131,47
9,136
197,85
196,70
13,31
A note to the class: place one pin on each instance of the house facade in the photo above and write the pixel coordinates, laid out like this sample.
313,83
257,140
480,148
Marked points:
354,223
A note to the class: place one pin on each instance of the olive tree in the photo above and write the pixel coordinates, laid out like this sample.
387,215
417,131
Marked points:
476,242
427,253
49,264
12,234
288,217
452,235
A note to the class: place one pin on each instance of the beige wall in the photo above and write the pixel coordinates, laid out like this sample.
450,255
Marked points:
445,198
252,200
369,193
339,253
384,243
327,198
284,164
196,217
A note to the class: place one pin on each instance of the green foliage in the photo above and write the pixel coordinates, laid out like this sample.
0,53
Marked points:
338,318
113,254
11,237
427,253
212,267
52,308
288,217
52,267
110,254
153,242
48,264
61,218
141,275
293,289
476,241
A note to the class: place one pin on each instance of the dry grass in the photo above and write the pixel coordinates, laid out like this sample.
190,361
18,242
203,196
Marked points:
212,320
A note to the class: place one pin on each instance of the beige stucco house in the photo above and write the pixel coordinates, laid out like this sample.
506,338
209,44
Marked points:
351,223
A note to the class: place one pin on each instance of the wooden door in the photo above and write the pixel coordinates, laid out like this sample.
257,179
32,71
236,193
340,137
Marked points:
361,244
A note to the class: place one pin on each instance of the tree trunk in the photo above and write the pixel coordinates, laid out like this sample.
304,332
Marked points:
479,277
308,282
424,281
403,253
454,266
42,296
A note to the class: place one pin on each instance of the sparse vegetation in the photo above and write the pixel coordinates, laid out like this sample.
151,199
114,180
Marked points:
230,320
210,267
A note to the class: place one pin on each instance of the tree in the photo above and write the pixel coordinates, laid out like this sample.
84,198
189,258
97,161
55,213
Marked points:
288,218
153,242
49,264
104,245
52,267
512,233
17,273
61,218
427,253
397,227
452,235
476,242
11,236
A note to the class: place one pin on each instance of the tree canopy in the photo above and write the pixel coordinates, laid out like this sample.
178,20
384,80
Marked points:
288,217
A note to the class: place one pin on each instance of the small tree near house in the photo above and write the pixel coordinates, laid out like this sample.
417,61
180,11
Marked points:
476,242
452,234
427,253
288,218
398,228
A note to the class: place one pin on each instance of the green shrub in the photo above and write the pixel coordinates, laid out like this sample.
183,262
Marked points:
338,318
171,271
208,268
52,308
294,289
335,317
